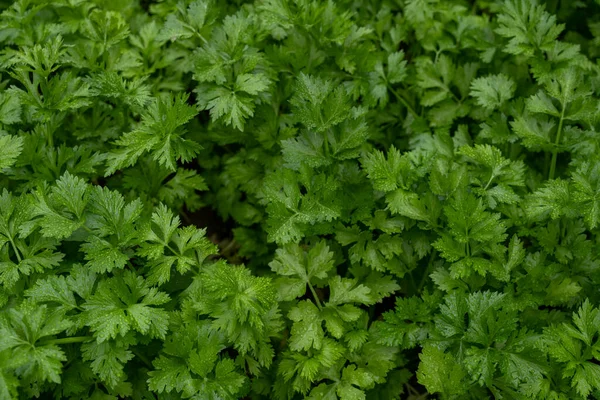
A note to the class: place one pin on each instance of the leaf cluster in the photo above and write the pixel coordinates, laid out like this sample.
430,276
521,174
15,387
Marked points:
292,199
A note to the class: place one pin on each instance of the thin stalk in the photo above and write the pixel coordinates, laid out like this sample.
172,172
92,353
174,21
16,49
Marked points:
556,142
143,358
68,340
202,38
326,139
228,247
404,102
130,265
314,293
14,246
105,57
186,218
563,230
426,272
413,284
492,176
170,248
453,95
50,139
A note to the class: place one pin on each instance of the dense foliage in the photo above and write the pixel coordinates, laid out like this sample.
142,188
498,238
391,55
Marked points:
285,199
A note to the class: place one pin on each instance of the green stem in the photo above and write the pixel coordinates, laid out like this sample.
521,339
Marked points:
105,56
426,272
489,181
14,246
563,230
143,358
50,139
314,293
556,142
326,139
44,97
413,284
227,248
168,246
202,38
186,218
455,97
68,340
404,102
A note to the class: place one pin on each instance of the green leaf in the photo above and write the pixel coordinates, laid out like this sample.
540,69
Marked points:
408,204
169,375
290,212
133,93
54,289
240,306
107,28
535,132
395,71
21,333
167,245
435,79
108,359
306,148
113,231
10,108
160,133
439,372
348,291
496,176
300,267
125,303
317,105
542,103
234,76
552,200
192,365
493,91
61,211
11,149
527,26
388,175
571,345
307,331
468,220
186,22
251,83
586,185
396,67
